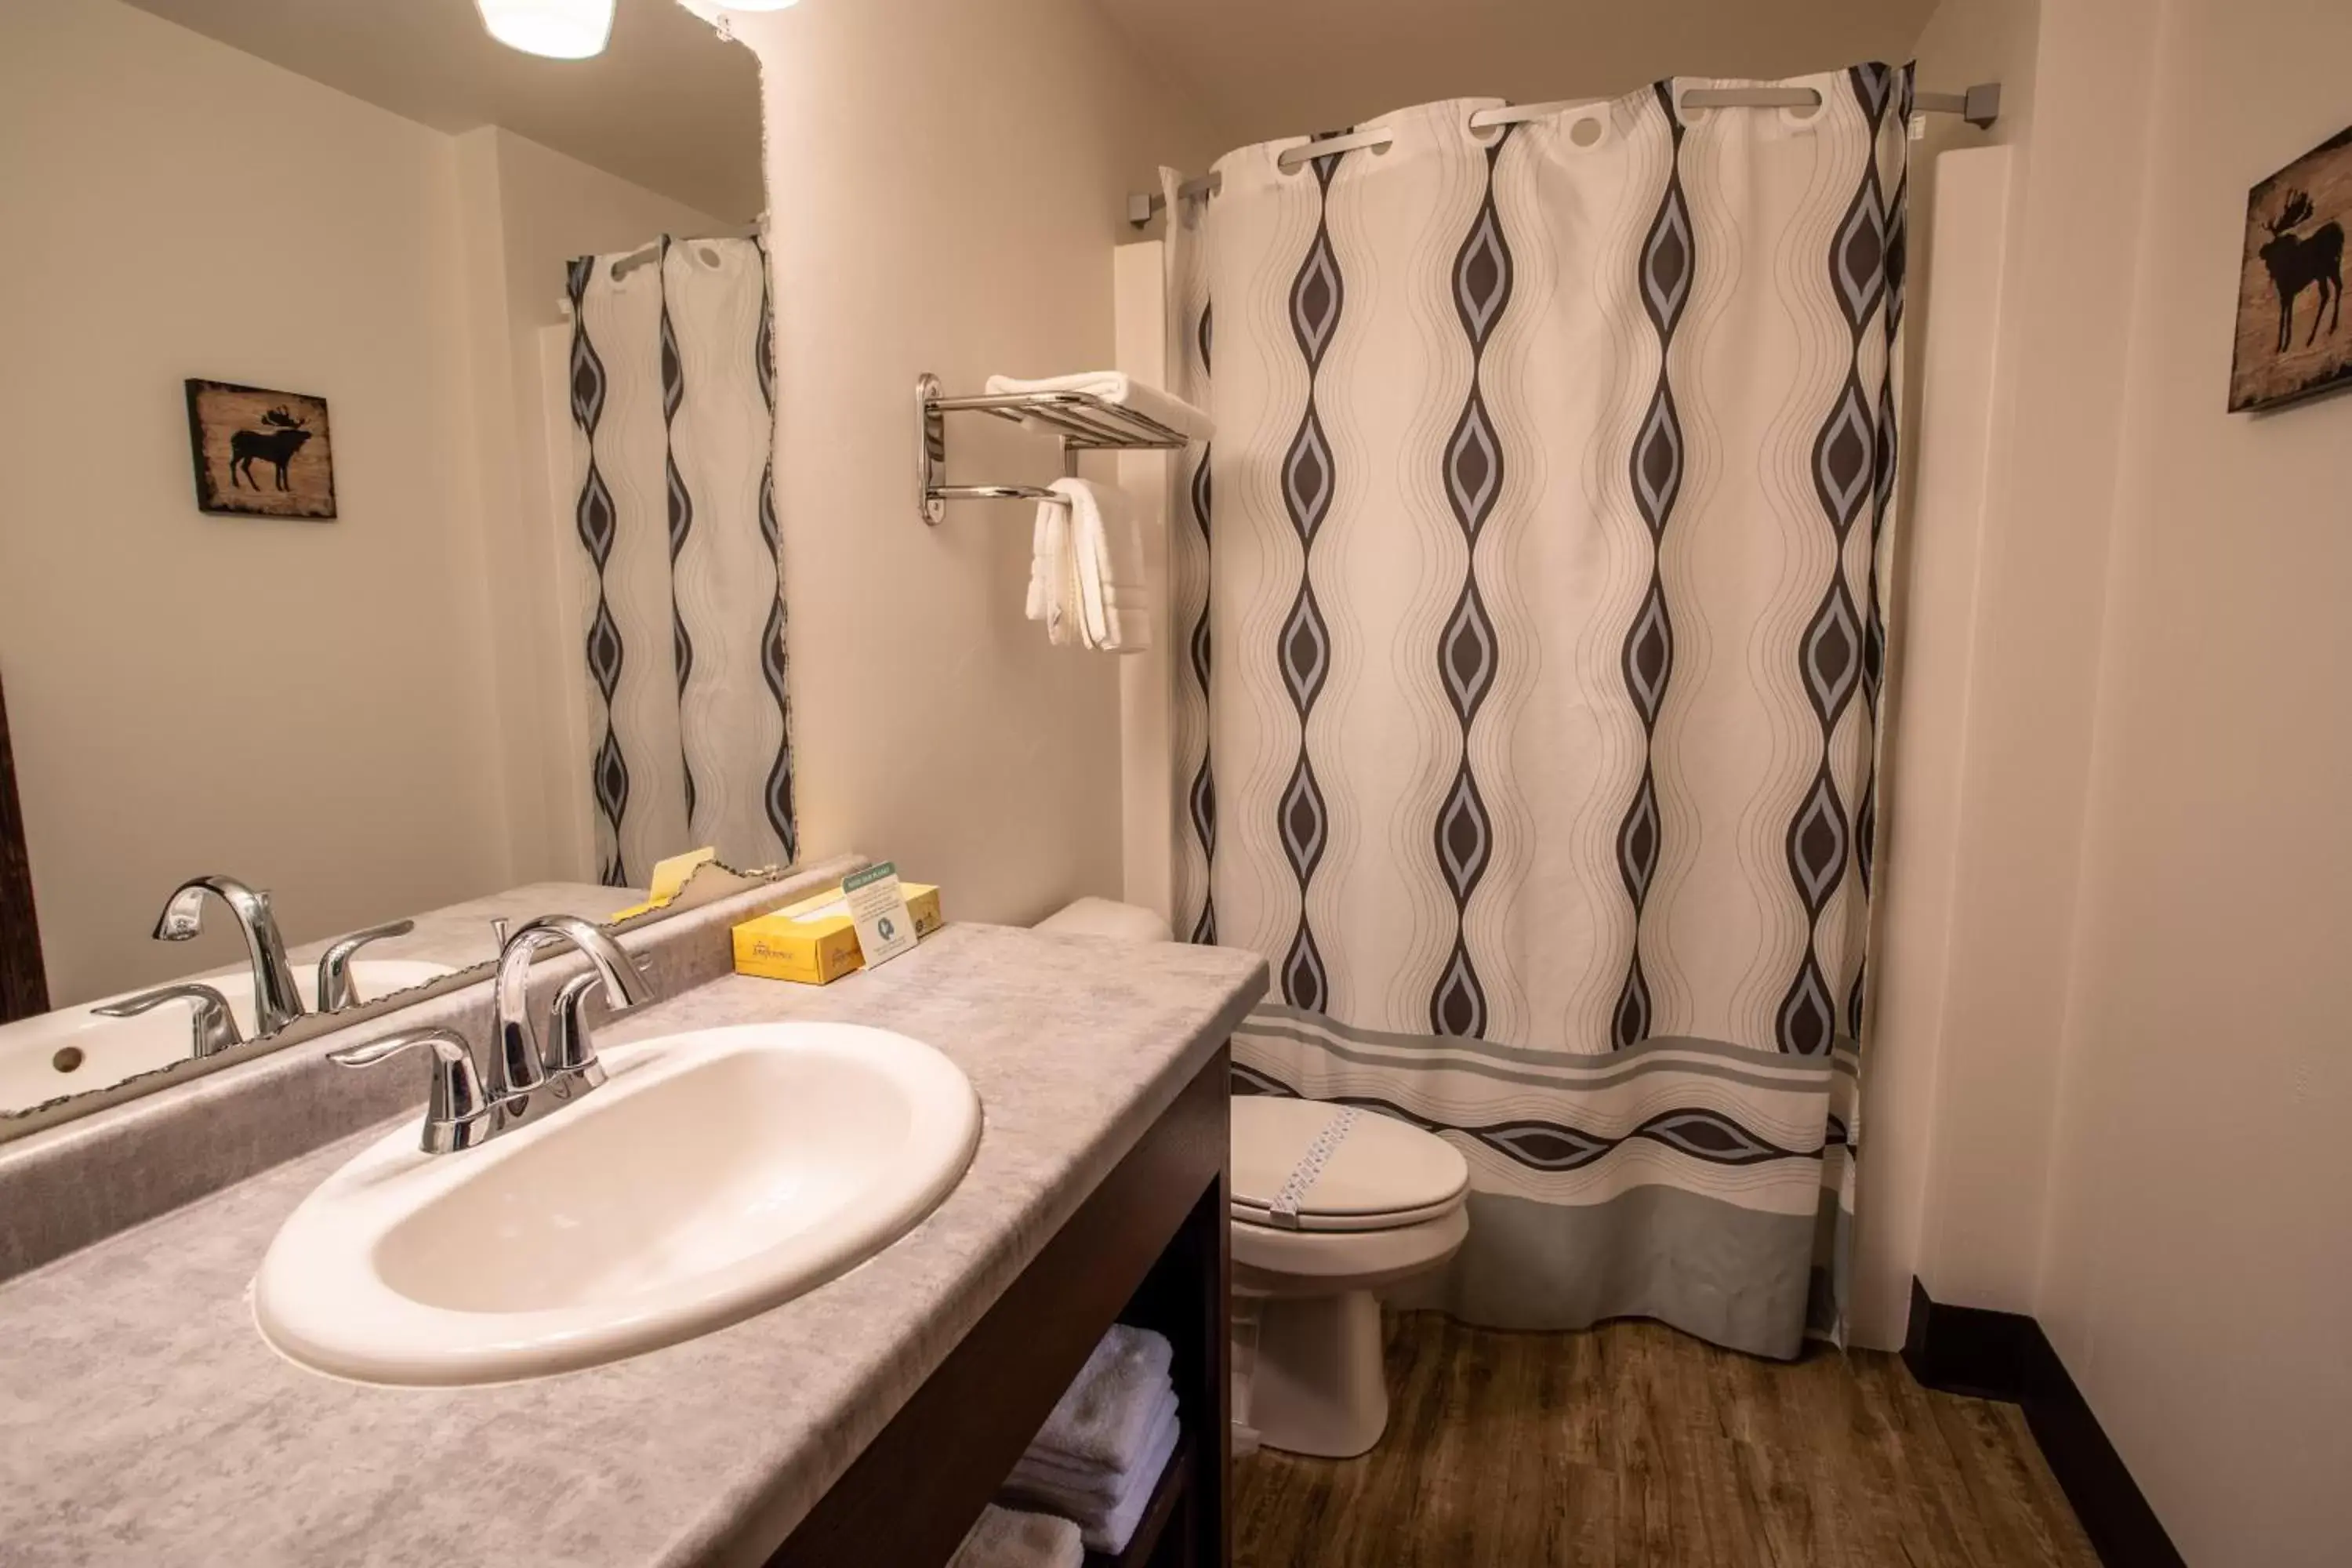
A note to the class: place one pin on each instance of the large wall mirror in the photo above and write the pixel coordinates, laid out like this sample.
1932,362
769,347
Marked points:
389,546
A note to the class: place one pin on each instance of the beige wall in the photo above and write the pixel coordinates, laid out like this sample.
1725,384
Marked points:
2196,1265
2128,1001
945,183
301,704
367,716
527,211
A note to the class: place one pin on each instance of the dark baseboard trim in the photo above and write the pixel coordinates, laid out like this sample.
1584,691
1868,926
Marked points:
2006,1356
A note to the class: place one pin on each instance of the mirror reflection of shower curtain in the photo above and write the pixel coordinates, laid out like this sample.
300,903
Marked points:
672,390
1527,721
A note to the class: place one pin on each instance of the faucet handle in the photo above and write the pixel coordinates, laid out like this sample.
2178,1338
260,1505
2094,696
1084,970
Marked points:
456,1114
214,1026
571,1059
335,988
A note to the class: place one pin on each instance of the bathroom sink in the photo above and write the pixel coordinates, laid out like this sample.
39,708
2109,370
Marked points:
74,1050
715,1174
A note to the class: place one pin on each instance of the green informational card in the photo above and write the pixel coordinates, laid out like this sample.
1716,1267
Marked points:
877,907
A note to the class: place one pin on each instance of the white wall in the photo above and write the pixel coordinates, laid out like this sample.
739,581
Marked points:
363,716
1147,795
301,704
528,211
2196,1263
2131,999
946,182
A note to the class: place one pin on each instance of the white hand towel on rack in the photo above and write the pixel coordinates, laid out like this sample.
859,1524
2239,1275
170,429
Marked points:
1053,573
1117,386
1115,602
1086,570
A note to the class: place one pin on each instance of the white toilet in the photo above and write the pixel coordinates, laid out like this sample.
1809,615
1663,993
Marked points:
1329,1205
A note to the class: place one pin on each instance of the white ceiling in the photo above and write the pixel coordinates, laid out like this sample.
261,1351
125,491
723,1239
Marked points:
673,107
668,104
1264,68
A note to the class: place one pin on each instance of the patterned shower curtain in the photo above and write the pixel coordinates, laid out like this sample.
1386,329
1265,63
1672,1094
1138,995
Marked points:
672,412
1527,720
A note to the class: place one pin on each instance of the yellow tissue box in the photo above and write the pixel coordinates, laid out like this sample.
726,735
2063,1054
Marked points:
814,941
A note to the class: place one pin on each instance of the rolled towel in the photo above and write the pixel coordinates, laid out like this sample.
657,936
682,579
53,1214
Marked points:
1077,1484
1105,1417
1117,386
1007,1538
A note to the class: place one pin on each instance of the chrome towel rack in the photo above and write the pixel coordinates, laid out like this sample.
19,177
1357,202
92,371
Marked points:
1085,423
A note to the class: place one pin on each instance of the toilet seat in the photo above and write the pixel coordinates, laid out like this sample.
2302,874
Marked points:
1308,1165
1270,1262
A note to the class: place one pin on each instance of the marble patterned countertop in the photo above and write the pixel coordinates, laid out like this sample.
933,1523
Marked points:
142,1419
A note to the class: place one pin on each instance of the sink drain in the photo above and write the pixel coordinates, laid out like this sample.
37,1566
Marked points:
66,1059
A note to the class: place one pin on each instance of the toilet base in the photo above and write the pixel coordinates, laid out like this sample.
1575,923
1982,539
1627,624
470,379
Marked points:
1319,1387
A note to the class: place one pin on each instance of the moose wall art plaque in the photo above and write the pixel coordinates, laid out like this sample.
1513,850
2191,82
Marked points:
2292,340
261,453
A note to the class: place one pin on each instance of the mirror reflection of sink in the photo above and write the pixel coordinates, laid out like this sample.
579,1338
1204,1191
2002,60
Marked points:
74,1050
715,1175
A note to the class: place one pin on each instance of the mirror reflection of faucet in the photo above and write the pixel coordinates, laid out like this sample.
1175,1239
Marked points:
215,1027
277,998
518,1079
276,1002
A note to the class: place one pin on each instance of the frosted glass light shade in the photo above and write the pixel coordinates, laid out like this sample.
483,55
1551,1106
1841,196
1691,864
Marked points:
560,29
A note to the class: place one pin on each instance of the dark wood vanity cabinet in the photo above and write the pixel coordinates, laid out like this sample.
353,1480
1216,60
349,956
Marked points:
23,985
1148,1247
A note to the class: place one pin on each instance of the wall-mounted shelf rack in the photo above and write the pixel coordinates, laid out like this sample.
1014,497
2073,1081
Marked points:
1084,422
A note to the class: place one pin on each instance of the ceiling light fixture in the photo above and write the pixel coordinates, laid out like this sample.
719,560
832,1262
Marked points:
560,29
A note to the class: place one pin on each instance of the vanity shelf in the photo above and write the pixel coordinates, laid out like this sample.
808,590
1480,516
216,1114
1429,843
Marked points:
1084,422
1150,1247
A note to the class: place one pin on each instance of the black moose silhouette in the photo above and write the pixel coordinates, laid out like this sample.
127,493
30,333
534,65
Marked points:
275,445
2296,261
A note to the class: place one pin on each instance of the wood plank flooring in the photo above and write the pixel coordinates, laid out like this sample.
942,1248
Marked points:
1632,1445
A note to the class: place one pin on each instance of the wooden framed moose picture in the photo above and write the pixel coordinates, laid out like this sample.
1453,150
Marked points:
261,453
2292,340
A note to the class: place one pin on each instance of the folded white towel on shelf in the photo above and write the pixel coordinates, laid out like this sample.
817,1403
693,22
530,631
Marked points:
1117,386
1086,570
1008,1538
1077,1481
1105,1417
1109,1525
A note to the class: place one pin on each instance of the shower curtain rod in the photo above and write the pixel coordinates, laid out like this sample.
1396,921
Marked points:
1979,106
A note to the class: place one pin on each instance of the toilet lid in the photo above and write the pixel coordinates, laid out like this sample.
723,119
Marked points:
1304,1164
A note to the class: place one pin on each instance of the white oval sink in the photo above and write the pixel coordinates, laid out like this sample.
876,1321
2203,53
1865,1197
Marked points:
715,1175
75,1051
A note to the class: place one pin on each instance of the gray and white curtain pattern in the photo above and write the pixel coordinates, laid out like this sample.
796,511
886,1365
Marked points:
672,412
1526,717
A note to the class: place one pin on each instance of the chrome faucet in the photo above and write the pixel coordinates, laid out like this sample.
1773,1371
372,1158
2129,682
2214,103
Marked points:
519,1081
335,989
516,1068
213,1027
276,1001
457,1116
